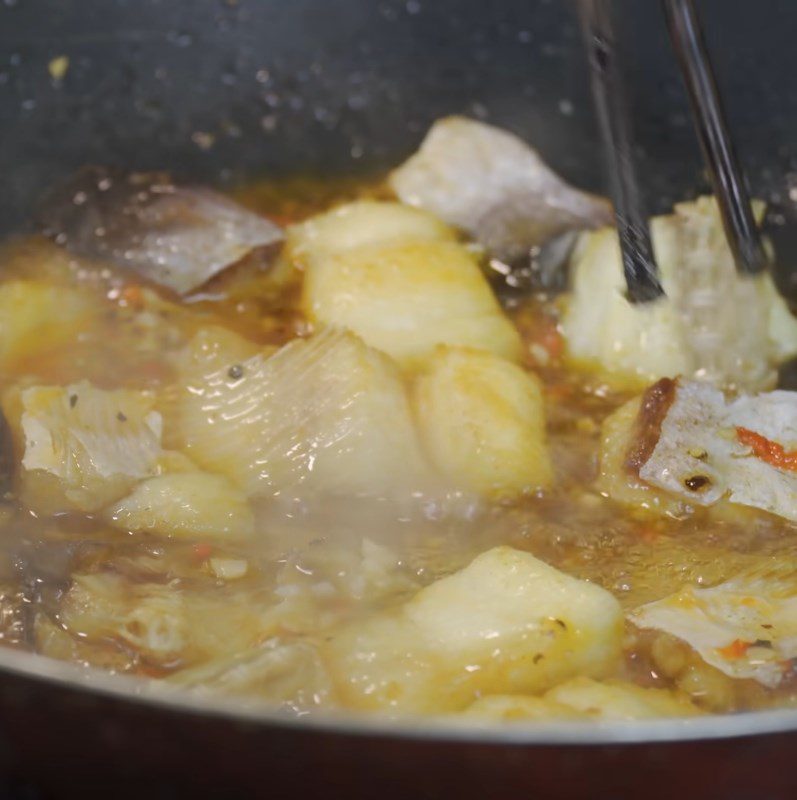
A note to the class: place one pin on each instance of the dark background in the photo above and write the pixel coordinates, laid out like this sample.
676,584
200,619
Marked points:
225,90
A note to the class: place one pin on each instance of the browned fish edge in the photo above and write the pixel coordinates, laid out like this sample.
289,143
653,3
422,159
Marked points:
656,402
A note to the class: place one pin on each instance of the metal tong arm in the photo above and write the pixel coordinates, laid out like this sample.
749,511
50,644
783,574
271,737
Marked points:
639,265
719,153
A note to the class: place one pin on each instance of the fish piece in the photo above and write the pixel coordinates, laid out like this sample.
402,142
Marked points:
518,708
482,420
507,622
168,623
746,626
690,457
615,699
289,673
406,298
177,236
37,317
585,698
84,447
363,222
699,454
186,505
713,325
397,277
622,438
324,415
491,184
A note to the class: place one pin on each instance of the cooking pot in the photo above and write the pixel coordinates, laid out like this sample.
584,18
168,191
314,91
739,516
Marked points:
225,91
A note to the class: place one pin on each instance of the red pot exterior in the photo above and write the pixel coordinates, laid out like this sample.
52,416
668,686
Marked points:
56,742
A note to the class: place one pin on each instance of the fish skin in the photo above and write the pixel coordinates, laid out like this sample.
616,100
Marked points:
176,236
700,420
756,609
491,184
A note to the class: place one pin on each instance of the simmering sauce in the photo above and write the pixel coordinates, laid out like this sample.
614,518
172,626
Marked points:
255,615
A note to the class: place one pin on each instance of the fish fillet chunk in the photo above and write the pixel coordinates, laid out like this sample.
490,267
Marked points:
700,456
746,627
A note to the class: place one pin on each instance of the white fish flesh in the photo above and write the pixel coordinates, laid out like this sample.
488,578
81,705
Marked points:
746,627
697,330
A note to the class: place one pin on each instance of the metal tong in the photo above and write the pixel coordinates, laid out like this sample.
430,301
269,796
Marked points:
639,264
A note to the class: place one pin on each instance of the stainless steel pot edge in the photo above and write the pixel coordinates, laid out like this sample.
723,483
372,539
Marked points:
152,693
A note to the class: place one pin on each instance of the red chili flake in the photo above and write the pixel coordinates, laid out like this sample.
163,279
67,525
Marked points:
767,450
648,533
132,296
202,551
559,391
551,339
736,649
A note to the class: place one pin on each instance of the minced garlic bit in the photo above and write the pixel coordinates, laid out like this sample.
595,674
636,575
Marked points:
58,67
228,569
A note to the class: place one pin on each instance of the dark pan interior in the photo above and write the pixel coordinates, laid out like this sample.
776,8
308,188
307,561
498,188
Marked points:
229,90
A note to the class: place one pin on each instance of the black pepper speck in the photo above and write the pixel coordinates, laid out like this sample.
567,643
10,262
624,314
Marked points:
697,483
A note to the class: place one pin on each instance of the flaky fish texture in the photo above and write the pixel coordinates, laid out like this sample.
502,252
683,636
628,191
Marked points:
713,324
85,447
396,277
360,223
185,505
324,415
746,627
482,421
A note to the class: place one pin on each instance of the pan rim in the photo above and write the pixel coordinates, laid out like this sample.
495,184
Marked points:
157,695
